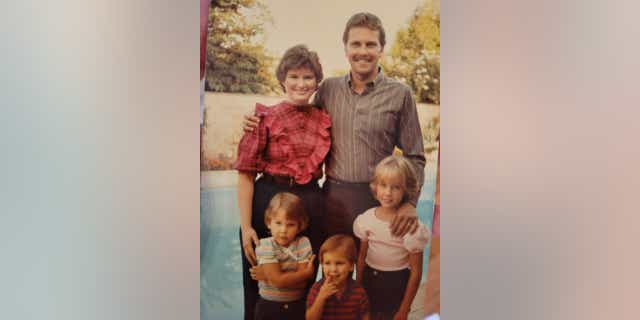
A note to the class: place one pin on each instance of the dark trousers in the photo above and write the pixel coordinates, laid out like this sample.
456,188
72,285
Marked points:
311,196
343,203
273,310
385,290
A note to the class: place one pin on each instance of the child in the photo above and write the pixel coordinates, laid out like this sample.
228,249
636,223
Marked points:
388,267
336,295
286,260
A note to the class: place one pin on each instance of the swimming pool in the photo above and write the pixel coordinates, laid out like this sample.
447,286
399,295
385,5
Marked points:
220,261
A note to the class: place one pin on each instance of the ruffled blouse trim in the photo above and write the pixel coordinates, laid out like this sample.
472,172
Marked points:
253,144
304,168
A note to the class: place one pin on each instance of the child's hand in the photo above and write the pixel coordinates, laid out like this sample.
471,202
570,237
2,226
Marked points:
327,290
308,267
401,314
257,273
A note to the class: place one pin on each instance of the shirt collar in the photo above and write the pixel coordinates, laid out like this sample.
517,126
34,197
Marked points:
371,84
284,249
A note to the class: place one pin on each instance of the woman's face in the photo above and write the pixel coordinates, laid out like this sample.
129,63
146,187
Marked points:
299,85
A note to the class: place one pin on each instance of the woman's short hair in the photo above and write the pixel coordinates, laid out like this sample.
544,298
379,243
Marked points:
297,57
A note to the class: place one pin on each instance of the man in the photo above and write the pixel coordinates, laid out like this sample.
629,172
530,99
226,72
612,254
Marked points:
371,114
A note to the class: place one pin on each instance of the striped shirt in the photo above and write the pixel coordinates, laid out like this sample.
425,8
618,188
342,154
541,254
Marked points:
352,304
366,127
268,251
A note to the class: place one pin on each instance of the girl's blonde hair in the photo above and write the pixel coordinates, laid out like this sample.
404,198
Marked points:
397,166
292,206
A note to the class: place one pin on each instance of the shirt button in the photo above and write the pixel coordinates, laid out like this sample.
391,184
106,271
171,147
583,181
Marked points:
286,306
375,273
301,165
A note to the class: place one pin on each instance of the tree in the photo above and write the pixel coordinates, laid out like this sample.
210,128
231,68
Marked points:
236,57
415,54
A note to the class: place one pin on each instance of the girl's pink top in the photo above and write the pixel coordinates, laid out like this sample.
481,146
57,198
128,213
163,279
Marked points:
388,253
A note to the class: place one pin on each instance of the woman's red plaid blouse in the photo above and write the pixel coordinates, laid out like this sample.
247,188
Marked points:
290,141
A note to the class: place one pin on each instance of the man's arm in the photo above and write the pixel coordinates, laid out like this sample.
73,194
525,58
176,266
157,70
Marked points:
406,221
410,142
250,122
410,139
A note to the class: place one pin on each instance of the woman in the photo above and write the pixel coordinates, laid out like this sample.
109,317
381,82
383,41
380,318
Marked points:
288,148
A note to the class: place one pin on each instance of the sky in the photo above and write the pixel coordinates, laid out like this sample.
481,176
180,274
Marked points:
319,25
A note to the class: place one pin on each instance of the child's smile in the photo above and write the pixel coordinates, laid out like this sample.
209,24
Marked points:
389,191
336,268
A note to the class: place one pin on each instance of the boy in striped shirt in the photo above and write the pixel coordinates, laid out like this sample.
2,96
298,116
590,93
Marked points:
286,260
337,296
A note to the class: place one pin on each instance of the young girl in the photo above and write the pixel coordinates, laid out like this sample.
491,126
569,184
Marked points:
285,260
388,267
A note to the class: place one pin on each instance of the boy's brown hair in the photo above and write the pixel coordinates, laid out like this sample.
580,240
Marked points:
292,206
340,243
367,20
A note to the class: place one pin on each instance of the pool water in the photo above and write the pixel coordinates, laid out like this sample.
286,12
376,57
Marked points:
221,290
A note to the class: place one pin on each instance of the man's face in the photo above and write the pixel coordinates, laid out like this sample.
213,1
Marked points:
363,50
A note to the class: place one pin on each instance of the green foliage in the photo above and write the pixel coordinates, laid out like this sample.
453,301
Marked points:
430,134
415,54
236,57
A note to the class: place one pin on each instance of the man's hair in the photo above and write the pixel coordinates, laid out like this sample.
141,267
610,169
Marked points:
367,20
339,243
291,205
396,166
297,57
